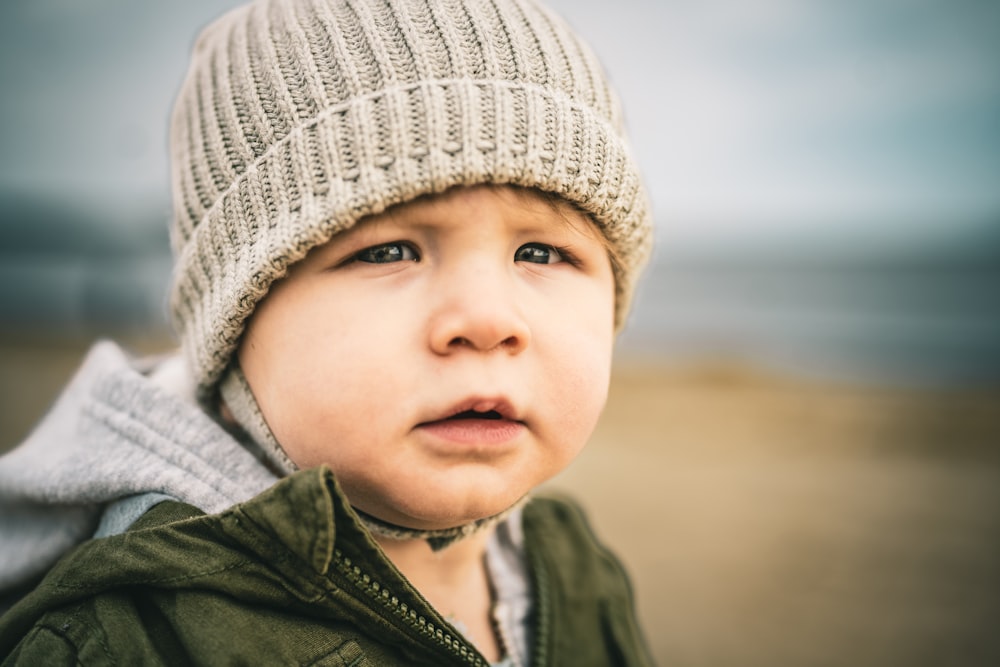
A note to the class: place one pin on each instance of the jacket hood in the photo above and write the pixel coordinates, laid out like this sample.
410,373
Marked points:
116,438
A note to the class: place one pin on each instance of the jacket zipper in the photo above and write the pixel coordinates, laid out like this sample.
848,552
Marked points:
436,633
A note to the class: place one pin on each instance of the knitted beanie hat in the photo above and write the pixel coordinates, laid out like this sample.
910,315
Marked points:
298,118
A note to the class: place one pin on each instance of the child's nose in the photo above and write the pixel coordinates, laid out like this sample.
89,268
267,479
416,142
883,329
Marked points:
478,311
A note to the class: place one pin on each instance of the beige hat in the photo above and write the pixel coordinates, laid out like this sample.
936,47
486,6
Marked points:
298,118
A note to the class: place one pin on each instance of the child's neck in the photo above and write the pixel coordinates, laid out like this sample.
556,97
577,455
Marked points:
455,581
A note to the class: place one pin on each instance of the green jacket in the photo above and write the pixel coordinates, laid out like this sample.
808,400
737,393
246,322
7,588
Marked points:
291,578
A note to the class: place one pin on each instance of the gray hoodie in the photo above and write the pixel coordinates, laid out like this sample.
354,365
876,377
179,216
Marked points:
117,441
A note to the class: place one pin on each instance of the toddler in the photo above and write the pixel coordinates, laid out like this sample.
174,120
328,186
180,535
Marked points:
405,235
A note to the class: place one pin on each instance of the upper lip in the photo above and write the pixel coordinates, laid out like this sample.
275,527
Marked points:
497,405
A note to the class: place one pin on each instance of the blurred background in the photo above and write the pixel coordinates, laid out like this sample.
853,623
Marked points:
800,460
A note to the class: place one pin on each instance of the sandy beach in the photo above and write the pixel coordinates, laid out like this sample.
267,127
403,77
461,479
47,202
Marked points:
765,520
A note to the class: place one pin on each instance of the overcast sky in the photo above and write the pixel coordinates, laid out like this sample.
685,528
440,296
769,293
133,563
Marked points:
753,119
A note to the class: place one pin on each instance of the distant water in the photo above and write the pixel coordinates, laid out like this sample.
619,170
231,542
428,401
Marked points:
910,323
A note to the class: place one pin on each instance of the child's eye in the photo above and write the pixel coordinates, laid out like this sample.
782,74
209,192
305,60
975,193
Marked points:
387,253
538,253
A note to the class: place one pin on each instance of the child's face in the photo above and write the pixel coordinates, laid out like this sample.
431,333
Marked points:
486,299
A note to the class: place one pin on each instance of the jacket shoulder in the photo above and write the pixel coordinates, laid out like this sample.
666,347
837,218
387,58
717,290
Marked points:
44,645
106,632
584,596
75,635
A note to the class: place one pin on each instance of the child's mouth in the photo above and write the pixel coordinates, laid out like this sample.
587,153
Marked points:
473,414
484,427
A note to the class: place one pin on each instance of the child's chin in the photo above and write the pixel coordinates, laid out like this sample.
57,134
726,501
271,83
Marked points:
444,515
436,504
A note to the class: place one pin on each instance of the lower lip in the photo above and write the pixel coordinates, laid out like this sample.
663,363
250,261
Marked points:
475,431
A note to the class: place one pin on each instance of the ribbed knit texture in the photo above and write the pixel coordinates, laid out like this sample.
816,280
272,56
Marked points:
300,117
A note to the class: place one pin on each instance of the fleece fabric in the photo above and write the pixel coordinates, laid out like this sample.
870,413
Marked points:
119,439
